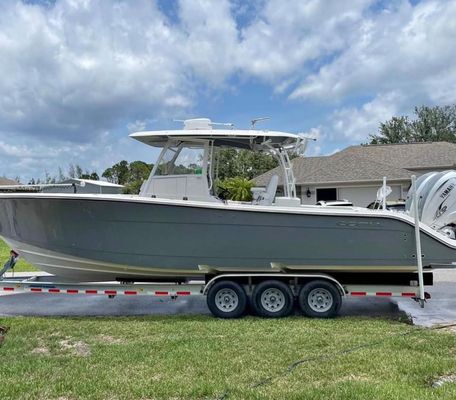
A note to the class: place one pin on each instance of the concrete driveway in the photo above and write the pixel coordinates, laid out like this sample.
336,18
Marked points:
441,309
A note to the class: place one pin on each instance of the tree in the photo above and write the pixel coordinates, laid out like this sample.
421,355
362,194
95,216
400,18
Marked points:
118,173
71,171
93,176
48,179
435,124
230,163
138,172
78,171
431,124
74,171
61,176
131,175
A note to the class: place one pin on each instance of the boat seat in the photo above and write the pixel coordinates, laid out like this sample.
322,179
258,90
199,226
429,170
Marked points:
265,195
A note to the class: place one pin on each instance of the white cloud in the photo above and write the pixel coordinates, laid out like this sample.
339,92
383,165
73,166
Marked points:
73,71
400,57
288,34
355,124
404,47
137,126
210,39
31,157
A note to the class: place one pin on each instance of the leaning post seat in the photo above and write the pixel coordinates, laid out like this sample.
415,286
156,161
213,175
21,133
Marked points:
265,196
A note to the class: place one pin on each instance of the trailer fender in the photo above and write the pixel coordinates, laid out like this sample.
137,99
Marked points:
310,276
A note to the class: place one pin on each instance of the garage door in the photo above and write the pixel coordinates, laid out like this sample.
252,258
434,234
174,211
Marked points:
362,196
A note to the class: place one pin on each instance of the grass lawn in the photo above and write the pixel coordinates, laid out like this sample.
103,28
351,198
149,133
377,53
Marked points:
182,357
21,266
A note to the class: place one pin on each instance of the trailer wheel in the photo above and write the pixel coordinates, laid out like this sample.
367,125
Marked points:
227,299
320,299
272,299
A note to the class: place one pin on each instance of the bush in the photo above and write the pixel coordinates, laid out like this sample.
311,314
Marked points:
237,189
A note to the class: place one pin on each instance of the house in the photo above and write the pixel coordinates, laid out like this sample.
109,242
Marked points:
357,172
7,185
5,181
76,185
71,185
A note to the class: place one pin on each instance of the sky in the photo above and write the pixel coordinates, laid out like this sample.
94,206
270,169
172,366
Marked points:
77,76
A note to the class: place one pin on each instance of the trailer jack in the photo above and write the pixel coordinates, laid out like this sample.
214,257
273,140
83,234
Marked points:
10,263
427,296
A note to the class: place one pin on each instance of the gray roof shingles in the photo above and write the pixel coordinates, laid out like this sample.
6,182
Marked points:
6,181
370,163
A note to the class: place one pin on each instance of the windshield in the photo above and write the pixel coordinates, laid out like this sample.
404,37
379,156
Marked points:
186,159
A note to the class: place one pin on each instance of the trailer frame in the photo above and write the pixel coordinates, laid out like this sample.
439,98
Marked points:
249,282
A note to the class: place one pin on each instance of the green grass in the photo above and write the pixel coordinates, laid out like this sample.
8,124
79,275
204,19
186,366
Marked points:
21,266
205,358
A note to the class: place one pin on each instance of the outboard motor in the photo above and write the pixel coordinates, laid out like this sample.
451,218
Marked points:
436,193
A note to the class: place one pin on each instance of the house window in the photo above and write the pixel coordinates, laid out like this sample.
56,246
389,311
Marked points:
327,194
298,191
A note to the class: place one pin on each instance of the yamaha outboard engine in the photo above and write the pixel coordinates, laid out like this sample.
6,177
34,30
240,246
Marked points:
436,193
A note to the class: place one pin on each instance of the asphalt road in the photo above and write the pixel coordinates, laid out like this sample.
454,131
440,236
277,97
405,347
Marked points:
441,309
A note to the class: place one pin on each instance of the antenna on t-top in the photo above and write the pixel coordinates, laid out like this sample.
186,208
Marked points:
255,120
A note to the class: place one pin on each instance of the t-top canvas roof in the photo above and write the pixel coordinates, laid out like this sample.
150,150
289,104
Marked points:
221,137
201,129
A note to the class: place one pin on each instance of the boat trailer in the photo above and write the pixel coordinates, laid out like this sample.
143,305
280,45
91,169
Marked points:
232,295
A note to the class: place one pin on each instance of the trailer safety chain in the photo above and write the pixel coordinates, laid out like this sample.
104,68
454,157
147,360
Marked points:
330,356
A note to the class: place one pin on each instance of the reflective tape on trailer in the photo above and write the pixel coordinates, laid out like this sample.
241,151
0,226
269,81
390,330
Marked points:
382,294
358,293
184,290
176,290
357,290
107,291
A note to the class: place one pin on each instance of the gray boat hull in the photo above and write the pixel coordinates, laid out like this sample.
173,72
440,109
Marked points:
120,237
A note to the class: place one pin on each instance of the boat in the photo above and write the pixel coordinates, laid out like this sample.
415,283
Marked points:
178,229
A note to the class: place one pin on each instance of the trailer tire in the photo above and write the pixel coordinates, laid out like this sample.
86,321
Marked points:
227,299
320,299
272,299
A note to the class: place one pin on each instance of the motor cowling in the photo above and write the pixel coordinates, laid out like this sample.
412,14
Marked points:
436,194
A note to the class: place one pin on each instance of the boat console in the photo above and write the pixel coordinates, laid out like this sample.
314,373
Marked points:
184,169
181,172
